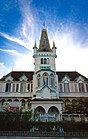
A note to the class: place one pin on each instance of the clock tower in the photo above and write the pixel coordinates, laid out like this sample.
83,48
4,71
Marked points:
45,80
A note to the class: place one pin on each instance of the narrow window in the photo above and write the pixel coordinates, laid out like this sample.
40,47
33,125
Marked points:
86,87
60,86
8,87
45,61
28,87
48,62
38,80
31,87
17,88
41,60
81,87
23,87
66,87
13,89
51,79
75,87
72,87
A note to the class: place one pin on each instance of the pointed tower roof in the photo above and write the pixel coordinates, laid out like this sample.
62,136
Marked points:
54,45
44,45
35,45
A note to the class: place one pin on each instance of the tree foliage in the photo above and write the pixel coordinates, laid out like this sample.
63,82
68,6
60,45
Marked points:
79,106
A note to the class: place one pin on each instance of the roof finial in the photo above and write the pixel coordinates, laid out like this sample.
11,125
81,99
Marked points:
44,25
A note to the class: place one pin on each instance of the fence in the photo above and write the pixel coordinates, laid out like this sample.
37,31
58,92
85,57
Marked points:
44,134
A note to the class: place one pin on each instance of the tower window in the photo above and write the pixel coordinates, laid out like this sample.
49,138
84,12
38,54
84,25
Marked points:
41,60
48,62
38,79
45,61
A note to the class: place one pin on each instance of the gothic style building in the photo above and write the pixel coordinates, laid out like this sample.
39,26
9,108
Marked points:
45,90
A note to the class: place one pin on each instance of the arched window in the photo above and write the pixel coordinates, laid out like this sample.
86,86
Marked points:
38,80
45,78
41,60
48,61
51,79
45,61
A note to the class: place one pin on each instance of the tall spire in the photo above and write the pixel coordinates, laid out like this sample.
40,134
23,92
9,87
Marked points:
44,45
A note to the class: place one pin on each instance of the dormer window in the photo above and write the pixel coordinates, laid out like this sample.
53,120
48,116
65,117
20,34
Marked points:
9,78
66,79
80,81
23,78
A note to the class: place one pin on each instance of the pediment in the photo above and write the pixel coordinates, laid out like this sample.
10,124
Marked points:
9,78
80,79
23,78
66,78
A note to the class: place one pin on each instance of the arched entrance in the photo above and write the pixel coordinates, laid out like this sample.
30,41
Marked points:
54,112
38,111
23,103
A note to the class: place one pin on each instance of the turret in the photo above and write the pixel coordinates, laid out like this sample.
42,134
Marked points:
35,49
54,49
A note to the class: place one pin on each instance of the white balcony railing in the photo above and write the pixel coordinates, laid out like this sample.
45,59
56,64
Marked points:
73,94
11,94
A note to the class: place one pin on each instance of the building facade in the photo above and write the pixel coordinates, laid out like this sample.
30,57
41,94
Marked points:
45,90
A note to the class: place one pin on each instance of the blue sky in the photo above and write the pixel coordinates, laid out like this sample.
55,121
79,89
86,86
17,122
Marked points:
21,22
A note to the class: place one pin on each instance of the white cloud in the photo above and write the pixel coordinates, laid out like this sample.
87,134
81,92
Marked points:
72,53
12,52
28,24
3,68
24,62
14,39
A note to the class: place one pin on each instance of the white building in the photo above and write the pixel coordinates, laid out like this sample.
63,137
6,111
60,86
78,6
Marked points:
44,90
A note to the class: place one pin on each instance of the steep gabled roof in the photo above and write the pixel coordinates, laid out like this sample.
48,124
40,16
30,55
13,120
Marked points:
44,45
71,74
16,75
